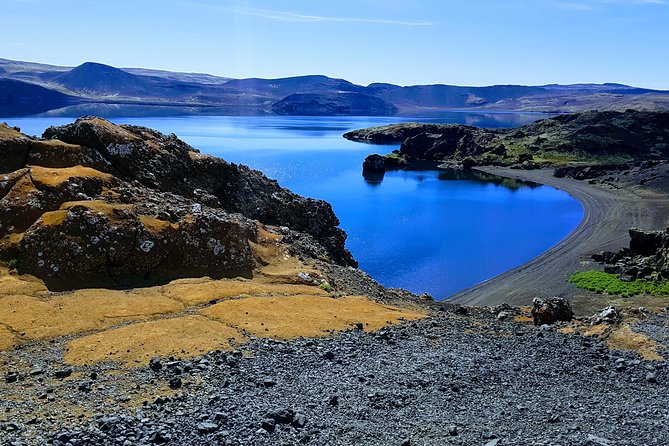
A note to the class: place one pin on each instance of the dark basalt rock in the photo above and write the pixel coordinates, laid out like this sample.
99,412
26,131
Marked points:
550,311
374,163
168,164
101,204
646,258
593,137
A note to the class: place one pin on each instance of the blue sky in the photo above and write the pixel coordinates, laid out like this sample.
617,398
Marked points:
463,42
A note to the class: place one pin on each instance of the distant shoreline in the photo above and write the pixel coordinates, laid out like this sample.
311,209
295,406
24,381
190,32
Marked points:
608,214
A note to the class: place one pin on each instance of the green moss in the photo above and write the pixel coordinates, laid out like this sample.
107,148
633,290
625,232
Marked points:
12,263
600,282
326,287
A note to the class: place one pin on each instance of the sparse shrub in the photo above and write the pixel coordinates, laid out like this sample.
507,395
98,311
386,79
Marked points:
12,263
605,283
325,287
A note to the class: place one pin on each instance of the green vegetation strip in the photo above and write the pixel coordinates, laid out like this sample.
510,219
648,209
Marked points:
600,282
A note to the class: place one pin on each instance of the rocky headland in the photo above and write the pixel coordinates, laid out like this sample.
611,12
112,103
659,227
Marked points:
150,294
592,138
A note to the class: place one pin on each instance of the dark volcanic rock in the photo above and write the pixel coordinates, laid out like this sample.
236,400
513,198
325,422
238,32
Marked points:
374,163
594,137
549,311
107,205
646,258
94,241
170,165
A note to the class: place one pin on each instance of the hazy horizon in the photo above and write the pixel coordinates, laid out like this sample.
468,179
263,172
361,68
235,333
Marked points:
363,41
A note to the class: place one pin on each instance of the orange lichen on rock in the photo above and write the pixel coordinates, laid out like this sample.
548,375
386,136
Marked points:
153,224
80,311
136,344
110,210
7,339
53,218
52,177
7,132
200,291
306,315
624,338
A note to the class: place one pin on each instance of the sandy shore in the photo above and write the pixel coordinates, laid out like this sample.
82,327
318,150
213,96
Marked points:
609,213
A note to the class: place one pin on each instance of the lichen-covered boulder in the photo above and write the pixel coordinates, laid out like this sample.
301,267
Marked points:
551,310
98,243
14,149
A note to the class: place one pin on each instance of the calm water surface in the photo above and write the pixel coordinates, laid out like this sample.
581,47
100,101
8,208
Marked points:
423,230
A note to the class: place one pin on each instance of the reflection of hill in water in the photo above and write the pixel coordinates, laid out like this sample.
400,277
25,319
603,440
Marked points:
376,178
143,111
483,177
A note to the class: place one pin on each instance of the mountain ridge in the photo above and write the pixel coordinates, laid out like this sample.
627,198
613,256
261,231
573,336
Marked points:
95,82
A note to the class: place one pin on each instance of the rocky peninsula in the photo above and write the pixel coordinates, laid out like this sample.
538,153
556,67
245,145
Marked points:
150,294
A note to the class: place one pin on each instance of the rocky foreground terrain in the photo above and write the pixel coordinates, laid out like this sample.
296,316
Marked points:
153,295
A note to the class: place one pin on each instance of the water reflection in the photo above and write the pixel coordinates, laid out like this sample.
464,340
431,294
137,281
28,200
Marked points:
449,174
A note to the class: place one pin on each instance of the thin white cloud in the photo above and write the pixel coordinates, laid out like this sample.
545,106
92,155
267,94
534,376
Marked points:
283,16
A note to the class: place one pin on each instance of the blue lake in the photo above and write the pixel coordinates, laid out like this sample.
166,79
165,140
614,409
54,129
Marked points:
424,230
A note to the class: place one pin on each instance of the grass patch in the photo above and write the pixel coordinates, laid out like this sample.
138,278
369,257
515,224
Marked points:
601,282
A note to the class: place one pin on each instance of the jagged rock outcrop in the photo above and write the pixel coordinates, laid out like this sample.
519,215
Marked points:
646,258
374,163
595,137
101,203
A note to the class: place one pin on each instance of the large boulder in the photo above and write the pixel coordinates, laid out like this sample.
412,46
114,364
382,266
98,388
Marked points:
551,310
647,243
14,149
374,163
99,243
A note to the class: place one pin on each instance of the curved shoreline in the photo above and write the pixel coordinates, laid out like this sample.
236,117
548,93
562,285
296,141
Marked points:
608,214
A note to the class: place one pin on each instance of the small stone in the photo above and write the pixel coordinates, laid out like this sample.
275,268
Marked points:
329,355
452,431
462,311
11,377
155,364
651,378
159,438
334,400
299,420
62,374
175,383
207,428
268,424
405,442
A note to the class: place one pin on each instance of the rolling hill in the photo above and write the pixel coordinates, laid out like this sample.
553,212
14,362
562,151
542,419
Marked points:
306,95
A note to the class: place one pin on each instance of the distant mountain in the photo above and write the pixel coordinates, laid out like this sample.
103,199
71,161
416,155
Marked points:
200,78
448,95
333,104
290,85
94,82
22,98
95,78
